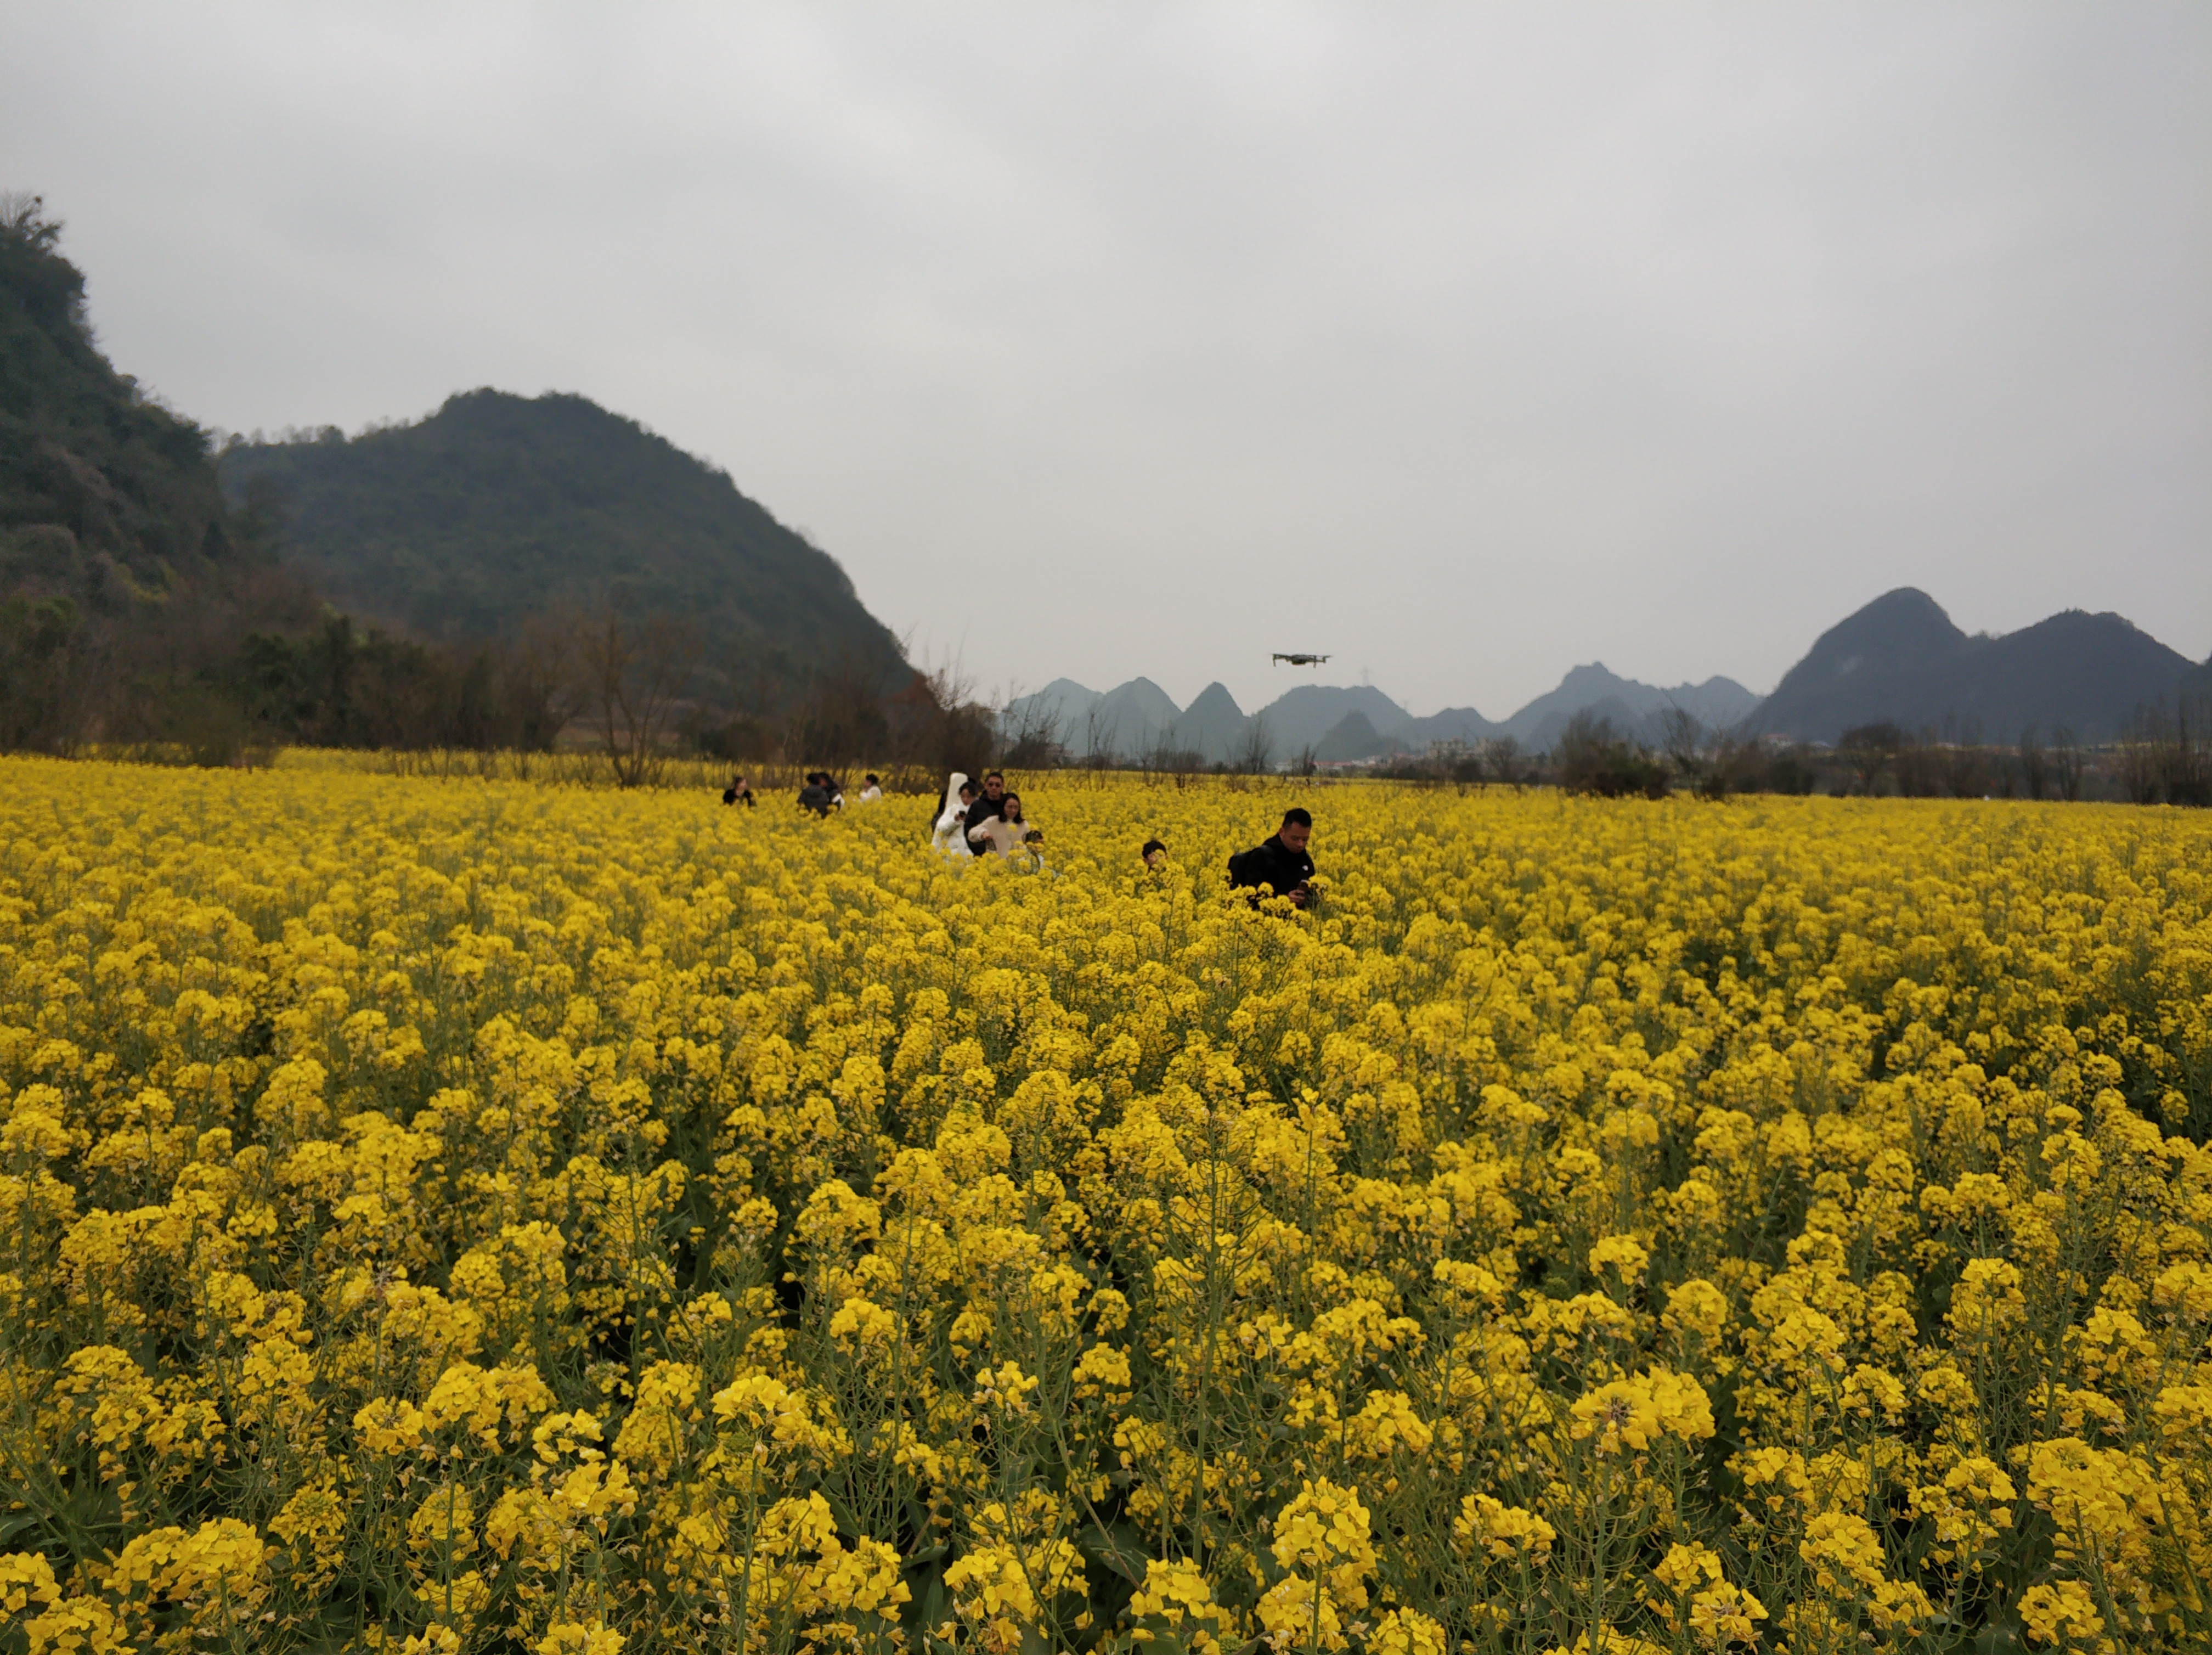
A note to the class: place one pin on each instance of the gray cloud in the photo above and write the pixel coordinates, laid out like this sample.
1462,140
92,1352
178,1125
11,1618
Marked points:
1463,343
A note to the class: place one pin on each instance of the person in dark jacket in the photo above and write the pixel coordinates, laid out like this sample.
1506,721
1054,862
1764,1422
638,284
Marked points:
992,804
739,789
817,796
1278,866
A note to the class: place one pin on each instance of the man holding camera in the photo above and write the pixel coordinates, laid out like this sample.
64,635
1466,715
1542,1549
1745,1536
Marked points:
1278,866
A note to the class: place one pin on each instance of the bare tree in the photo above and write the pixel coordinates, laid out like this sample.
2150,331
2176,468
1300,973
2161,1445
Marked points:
632,673
1591,757
1306,761
1255,746
2066,764
1682,738
1738,763
1161,758
1501,760
2164,755
1870,749
1031,733
2188,755
1919,767
542,684
1101,738
842,718
1964,766
937,723
2139,755
2034,765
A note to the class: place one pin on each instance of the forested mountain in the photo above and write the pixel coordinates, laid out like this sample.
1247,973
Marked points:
1901,659
119,558
101,490
146,601
497,507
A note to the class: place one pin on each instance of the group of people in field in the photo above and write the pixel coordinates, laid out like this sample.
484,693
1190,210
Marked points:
822,795
987,820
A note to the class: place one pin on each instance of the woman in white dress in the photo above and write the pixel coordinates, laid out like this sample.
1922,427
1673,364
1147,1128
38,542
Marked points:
950,834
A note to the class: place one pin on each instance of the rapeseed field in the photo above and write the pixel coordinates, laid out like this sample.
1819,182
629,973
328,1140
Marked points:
449,1216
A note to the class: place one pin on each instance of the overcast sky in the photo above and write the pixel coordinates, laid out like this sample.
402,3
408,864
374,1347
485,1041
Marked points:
1465,343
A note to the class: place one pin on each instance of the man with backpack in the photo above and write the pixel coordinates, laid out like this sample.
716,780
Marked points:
1277,866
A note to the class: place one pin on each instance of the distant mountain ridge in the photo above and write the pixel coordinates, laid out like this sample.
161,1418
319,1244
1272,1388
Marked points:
1718,703
495,506
1305,716
1350,722
1901,658
1129,718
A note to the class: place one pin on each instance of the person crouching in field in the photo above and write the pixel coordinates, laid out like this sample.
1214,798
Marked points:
1278,866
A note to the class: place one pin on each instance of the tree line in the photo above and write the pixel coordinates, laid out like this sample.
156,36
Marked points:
2164,757
222,677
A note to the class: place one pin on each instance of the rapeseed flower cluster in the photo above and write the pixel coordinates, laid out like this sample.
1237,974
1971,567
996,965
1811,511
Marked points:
455,1216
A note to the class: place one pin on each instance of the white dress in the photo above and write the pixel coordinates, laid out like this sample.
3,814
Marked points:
949,835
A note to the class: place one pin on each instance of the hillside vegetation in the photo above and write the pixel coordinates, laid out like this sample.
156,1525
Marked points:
118,555
103,493
497,507
1901,658
503,572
